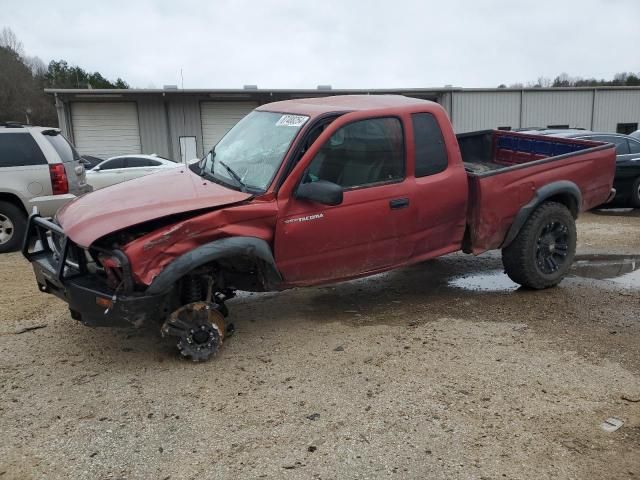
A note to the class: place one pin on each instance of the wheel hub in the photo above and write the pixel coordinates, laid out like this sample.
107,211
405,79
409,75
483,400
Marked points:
199,327
6,229
203,335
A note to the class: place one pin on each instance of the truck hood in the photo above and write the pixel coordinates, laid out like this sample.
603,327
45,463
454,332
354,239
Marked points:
177,190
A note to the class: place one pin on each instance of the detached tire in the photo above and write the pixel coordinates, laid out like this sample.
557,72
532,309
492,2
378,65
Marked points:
635,194
542,253
13,223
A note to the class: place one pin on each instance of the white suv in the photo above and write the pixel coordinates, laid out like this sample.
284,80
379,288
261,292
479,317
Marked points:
38,168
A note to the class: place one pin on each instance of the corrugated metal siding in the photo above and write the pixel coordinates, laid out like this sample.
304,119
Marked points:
105,129
184,121
573,108
445,101
483,110
219,117
613,107
154,133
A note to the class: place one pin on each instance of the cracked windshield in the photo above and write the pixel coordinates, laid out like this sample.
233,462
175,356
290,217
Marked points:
251,153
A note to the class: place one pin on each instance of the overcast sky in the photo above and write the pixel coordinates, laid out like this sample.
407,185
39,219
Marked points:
345,43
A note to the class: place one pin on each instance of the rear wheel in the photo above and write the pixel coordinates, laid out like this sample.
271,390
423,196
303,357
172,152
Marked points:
542,253
13,223
635,194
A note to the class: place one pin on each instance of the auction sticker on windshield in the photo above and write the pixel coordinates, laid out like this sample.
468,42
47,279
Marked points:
291,121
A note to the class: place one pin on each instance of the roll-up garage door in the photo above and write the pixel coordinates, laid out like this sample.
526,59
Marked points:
106,129
219,117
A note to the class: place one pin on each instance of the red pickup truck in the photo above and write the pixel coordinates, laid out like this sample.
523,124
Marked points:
311,191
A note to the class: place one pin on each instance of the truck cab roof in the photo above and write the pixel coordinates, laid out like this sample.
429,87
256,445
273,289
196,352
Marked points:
314,107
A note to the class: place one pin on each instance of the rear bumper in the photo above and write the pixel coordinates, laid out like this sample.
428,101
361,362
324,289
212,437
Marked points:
90,300
48,205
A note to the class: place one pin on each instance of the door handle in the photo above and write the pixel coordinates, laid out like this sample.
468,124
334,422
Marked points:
397,203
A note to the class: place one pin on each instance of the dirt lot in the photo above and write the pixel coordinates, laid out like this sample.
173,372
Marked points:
442,370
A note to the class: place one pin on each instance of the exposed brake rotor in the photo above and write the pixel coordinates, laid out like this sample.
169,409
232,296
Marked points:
200,328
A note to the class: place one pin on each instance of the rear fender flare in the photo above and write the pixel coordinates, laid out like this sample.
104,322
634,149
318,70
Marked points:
209,252
563,189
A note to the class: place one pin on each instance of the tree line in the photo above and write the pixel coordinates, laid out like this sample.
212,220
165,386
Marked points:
24,78
622,79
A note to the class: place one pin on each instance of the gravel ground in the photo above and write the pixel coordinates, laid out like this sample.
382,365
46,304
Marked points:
442,370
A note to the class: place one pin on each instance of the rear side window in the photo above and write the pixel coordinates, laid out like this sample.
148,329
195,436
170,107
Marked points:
20,149
431,154
634,147
153,163
62,146
622,147
112,164
133,162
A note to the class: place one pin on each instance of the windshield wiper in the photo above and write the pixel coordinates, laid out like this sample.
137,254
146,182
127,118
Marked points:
235,176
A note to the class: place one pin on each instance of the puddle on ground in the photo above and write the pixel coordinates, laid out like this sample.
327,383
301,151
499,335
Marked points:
491,281
624,271
621,270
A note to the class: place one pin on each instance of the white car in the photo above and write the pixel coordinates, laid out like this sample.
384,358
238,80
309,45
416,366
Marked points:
126,167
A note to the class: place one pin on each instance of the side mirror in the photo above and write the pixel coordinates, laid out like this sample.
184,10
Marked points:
96,169
320,191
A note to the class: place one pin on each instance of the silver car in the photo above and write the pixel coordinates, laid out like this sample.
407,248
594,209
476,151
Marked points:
38,168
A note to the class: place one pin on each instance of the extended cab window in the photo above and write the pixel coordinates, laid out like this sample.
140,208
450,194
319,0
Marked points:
362,153
431,154
19,149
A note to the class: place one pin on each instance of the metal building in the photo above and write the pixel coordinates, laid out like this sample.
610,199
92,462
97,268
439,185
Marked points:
184,124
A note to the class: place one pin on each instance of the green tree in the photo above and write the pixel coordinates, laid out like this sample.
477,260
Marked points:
23,80
61,75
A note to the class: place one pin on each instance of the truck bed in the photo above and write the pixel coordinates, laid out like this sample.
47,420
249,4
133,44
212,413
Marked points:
505,169
491,151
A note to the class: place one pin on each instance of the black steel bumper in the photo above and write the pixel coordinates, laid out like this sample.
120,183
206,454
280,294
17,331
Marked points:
90,300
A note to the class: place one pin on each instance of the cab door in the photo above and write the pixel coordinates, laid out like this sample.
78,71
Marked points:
367,231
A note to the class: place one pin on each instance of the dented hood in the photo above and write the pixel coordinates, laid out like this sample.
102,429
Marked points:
176,190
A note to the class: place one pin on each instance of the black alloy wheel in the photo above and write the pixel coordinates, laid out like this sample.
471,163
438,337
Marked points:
552,247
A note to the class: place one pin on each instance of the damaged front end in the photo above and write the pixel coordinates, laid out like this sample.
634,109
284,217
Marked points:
96,282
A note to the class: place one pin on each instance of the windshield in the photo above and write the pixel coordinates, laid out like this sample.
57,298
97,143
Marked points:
249,155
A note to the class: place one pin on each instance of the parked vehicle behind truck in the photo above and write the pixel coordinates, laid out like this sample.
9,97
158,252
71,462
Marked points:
312,191
627,177
38,168
126,167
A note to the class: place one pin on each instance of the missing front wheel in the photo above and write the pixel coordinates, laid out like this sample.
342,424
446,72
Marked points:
200,329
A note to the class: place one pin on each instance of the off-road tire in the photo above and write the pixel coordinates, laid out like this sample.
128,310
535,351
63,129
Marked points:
521,259
635,194
13,222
